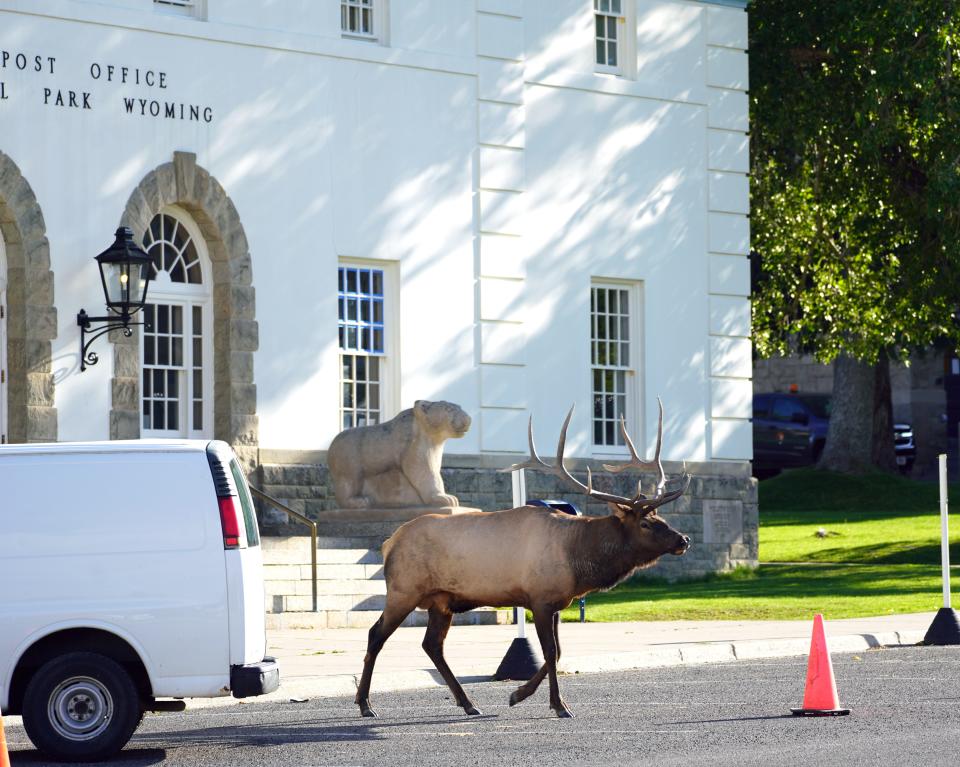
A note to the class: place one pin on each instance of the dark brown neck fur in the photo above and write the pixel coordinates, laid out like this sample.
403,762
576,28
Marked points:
604,552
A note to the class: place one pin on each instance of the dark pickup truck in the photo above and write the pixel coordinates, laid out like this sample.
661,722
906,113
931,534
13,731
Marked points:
790,430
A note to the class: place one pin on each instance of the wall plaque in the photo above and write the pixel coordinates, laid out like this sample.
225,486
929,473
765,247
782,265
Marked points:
722,521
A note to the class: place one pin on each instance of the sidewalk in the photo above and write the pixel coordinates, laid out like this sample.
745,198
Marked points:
328,662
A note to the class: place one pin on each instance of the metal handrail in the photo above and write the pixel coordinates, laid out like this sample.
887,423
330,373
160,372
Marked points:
305,520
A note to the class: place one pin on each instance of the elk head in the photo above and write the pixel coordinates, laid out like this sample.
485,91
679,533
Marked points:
638,513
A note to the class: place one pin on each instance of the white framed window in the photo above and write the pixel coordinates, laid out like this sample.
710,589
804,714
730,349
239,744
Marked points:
613,36
366,335
363,19
192,9
615,353
4,428
176,349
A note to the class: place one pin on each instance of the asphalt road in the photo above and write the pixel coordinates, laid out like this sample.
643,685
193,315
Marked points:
905,711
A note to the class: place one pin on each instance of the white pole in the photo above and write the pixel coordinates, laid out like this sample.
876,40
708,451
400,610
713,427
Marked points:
944,531
520,499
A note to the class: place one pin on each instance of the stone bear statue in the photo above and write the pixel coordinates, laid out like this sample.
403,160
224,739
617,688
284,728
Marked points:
396,463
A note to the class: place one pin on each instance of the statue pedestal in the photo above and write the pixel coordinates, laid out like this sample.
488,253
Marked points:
376,523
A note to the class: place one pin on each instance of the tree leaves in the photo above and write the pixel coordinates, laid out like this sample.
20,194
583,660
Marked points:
856,176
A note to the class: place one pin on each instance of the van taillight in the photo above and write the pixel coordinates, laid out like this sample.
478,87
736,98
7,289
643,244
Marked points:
230,521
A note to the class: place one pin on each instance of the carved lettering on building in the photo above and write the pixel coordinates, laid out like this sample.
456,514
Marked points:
126,77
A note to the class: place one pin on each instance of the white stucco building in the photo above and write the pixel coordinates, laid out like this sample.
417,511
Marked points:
514,205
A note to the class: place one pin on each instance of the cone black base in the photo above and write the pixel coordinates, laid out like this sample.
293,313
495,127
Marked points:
945,629
521,662
820,711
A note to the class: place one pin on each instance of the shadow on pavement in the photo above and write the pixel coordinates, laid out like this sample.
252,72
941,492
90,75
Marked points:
130,757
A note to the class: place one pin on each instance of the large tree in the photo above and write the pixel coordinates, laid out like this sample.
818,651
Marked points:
855,150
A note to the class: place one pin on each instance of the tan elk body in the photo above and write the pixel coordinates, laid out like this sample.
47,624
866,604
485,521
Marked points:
527,557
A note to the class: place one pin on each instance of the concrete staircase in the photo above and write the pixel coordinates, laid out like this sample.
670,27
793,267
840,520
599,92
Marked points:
351,591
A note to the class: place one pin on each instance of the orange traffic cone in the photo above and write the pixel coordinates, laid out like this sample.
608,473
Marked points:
4,754
820,698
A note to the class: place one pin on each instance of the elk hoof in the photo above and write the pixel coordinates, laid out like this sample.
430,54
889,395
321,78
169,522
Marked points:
367,711
563,712
515,698
472,710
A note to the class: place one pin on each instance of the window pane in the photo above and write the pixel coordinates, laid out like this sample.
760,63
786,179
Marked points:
197,352
198,415
608,431
173,416
347,362
351,338
197,384
601,53
361,368
148,350
177,351
173,383
365,339
364,281
378,311
158,420
163,318
598,433
625,355
340,279
163,351
378,283
600,26
611,28
352,309
611,54
377,340
351,280
374,392
361,396
177,316
197,321
615,6
347,395
374,365
159,383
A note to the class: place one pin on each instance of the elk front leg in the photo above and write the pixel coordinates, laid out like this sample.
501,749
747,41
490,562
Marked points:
529,687
437,627
386,624
545,619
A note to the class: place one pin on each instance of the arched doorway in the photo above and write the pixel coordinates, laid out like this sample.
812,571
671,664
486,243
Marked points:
187,193
27,391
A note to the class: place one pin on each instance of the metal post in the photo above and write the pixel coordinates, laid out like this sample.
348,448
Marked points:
944,531
520,499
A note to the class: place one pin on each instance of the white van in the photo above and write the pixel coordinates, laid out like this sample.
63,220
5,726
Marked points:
129,572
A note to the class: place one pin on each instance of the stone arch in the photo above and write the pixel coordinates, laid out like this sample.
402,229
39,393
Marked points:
31,316
235,335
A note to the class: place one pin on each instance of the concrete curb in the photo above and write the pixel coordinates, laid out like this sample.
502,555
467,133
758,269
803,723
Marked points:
656,656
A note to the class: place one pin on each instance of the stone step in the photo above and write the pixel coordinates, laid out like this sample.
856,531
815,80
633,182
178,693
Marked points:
300,603
324,557
302,542
352,588
325,572
364,619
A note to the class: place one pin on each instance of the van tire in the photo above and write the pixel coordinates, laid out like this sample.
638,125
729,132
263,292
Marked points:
81,707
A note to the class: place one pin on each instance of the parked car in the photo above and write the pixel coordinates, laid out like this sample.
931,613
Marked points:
129,572
791,429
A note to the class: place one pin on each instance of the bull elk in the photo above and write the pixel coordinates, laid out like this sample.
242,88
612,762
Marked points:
528,557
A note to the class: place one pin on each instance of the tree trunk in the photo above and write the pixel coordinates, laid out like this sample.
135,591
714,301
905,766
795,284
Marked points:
849,447
884,455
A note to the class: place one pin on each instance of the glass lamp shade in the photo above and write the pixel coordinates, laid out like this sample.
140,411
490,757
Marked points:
125,274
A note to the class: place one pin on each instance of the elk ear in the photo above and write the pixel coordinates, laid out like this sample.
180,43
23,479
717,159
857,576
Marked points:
619,509
420,408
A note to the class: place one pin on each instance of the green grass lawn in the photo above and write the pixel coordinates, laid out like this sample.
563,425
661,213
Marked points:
881,555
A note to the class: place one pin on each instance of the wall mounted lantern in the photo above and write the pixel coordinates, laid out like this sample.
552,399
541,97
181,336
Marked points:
125,273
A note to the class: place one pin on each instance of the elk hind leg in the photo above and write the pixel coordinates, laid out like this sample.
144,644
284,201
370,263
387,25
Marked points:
438,624
386,624
545,621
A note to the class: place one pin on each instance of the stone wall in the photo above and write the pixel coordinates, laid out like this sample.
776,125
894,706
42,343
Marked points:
719,510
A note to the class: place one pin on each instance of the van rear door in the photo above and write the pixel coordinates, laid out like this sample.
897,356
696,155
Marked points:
242,557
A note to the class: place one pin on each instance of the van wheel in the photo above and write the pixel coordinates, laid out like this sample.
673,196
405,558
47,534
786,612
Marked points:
81,707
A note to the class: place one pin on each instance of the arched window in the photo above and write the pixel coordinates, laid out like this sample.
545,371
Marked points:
176,350
3,342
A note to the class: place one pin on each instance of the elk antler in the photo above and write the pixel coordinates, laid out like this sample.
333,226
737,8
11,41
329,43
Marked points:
639,502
